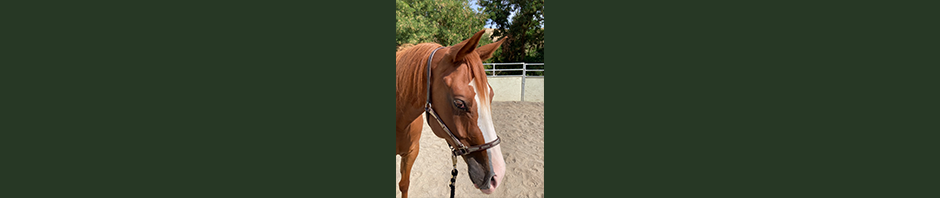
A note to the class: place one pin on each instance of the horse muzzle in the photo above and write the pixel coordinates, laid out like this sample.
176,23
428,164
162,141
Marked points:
489,176
482,178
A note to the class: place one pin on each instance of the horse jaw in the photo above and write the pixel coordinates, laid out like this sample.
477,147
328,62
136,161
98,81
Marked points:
485,122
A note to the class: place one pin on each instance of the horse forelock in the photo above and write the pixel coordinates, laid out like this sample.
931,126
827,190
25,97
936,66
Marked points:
478,76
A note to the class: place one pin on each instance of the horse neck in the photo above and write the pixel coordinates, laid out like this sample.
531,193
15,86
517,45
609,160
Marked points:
412,82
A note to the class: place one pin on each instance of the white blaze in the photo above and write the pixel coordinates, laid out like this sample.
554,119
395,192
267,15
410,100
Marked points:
485,122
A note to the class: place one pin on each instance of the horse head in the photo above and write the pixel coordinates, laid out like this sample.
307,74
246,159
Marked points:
461,95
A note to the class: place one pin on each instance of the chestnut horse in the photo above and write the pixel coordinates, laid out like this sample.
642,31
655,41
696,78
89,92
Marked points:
458,95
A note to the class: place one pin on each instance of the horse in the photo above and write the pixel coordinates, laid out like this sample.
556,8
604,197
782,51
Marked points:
449,85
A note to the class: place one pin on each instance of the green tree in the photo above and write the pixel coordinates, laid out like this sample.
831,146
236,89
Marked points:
526,33
446,22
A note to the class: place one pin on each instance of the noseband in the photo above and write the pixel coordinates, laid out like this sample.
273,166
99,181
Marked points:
460,149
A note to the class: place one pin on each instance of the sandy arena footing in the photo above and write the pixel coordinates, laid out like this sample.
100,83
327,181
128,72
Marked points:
520,126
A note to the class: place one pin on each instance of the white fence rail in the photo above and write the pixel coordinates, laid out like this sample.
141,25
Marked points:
504,82
525,69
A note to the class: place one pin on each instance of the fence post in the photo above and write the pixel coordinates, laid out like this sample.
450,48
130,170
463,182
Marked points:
523,80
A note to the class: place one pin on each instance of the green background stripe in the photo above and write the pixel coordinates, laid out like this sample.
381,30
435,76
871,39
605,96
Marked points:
201,99
739,99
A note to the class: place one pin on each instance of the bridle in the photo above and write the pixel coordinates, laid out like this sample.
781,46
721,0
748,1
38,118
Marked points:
459,149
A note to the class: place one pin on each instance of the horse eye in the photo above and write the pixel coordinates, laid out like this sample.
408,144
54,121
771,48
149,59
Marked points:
460,104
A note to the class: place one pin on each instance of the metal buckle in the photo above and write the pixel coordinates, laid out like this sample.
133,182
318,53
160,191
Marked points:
460,151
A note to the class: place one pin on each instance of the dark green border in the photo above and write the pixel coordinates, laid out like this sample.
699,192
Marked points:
740,99
199,99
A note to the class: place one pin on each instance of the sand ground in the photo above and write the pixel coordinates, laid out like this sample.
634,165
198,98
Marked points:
520,126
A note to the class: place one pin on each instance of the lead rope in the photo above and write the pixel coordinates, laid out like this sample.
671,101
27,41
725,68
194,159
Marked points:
453,178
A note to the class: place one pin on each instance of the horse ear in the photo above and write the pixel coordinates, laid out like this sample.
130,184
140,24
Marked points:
461,50
486,51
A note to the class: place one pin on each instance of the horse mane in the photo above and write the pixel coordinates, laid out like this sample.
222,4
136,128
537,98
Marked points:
410,72
404,47
415,53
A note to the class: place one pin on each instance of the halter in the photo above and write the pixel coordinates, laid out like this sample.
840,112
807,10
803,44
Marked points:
460,149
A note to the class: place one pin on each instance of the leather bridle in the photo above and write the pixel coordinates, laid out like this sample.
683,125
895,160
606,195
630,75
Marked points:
460,149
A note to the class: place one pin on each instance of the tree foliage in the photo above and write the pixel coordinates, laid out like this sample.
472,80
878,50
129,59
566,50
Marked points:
526,33
446,22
